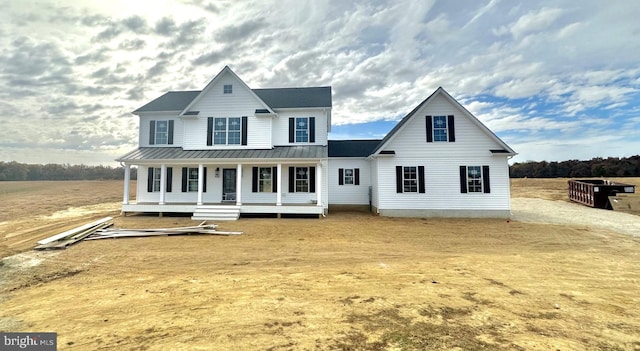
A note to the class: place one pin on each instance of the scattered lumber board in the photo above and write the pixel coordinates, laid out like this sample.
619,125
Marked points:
113,233
70,237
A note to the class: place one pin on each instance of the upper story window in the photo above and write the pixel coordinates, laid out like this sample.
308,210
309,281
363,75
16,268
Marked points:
227,131
302,130
439,128
161,132
227,89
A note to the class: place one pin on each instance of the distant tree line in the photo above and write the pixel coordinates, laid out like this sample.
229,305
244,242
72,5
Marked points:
22,171
596,167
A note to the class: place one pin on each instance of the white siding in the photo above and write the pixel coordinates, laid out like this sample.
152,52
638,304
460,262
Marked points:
442,185
143,140
349,194
281,126
214,103
442,161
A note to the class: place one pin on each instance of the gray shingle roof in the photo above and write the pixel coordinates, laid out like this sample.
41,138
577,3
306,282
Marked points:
295,97
177,153
171,101
352,148
275,98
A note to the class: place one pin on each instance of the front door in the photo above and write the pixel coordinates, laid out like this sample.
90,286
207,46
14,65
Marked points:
229,184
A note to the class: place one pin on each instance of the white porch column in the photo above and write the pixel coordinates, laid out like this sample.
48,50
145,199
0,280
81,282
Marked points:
319,183
200,182
239,185
279,186
127,182
163,181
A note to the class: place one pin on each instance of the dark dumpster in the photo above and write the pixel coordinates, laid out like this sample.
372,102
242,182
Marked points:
596,192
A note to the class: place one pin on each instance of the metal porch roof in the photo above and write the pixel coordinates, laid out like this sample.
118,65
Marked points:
177,153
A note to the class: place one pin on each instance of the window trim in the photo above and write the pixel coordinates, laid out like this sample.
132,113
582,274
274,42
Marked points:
157,173
302,182
475,180
296,129
262,180
192,182
436,137
227,130
227,89
405,179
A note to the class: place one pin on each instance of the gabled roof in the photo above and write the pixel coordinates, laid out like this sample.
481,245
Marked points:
171,101
296,97
352,148
270,98
441,91
226,70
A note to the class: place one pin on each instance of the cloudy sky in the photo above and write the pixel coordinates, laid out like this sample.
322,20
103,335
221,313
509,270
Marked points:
556,80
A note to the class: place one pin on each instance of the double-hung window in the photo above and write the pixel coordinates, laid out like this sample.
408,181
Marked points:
192,179
302,179
162,132
302,129
265,180
410,180
348,176
227,131
440,128
156,179
474,179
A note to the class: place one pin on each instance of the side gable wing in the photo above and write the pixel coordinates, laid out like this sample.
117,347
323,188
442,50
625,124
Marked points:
413,114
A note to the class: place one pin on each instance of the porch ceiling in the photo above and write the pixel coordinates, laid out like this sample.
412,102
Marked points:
177,153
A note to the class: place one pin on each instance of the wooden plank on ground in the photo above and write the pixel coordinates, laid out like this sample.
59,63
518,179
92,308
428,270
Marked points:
74,231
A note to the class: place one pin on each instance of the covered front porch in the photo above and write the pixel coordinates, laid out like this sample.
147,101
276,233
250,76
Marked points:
231,189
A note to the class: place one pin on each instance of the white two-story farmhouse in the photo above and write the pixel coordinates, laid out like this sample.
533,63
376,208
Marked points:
230,150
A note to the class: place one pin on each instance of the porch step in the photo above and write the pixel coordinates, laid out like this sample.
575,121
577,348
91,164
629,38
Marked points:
216,213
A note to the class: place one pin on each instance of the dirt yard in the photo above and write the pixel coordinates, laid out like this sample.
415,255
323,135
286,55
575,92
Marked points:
347,282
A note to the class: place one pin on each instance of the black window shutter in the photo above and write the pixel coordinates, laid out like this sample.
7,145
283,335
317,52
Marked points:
169,178
244,130
292,130
429,122
452,129
274,177
340,176
184,179
150,179
170,137
152,132
204,180
398,179
209,131
292,179
254,180
356,175
485,179
312,129
463,179
421,179
312,179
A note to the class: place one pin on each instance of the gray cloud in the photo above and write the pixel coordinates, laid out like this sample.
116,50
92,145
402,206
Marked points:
135,24
243,31
165,26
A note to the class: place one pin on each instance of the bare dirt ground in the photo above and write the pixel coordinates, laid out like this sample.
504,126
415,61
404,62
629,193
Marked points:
347,282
